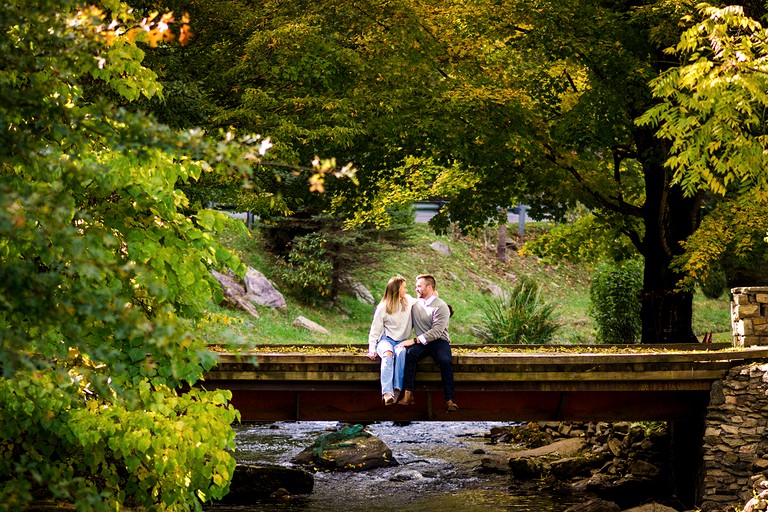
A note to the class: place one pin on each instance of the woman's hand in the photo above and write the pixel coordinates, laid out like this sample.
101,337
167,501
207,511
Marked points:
371,356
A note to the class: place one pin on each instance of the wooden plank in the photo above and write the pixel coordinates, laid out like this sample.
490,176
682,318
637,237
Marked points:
499,366
499,386
363,347
752,353
299,376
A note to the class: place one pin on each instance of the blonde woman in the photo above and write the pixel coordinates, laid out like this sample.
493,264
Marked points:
389,336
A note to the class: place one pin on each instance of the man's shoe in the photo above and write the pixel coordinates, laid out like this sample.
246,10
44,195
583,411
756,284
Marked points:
407,398
451,406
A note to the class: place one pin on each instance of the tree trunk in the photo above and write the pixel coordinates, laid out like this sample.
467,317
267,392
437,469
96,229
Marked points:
501,246
670,218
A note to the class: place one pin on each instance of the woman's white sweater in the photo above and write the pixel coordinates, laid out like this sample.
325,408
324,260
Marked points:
397,325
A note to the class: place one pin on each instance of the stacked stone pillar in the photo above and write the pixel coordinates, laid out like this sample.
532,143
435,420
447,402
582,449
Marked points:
735,448
749,316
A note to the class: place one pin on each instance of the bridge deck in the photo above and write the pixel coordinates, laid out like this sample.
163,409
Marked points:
670,383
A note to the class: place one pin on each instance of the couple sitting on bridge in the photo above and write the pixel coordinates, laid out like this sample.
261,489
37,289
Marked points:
390,338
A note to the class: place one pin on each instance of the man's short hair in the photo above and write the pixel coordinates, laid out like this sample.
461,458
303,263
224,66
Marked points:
429,278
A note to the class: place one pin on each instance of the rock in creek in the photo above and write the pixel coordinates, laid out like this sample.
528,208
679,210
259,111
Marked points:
621,463
349,449
596,505
651,507
255,482
494,465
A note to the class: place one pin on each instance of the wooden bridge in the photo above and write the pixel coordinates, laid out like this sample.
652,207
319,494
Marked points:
512,384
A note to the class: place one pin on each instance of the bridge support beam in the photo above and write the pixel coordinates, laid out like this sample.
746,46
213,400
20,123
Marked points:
327,404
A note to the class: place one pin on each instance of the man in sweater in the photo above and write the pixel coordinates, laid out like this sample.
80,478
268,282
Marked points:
430,316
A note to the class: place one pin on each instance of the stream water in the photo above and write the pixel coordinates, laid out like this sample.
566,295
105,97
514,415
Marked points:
435,471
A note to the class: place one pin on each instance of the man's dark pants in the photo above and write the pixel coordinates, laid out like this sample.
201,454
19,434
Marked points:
440,350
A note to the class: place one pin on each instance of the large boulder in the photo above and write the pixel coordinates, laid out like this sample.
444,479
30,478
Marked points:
629,491
569,467
488,287
305,323
495,465
349,449
235,295
361,293
568,447
255,482
534,463
261,291
528,468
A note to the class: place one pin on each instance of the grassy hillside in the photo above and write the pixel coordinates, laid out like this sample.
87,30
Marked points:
462,281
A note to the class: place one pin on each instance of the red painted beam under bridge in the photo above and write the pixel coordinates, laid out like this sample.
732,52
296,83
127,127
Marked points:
662,385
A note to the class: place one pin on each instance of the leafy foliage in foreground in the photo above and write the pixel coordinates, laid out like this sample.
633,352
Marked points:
98,266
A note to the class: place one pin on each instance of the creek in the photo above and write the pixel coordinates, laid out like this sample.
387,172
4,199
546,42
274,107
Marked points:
436,471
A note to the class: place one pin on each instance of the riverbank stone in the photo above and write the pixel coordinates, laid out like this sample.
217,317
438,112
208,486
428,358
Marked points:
596,505
349,449
493,465
618,462
406,476
651,507
252,482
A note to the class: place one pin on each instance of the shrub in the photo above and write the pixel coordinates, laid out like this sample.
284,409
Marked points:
308,269
519,316
615,301
713,285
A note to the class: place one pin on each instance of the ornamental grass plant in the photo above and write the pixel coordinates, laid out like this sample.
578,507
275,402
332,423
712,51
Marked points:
520,316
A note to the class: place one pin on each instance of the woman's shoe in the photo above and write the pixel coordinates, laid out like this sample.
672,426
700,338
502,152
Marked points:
388,399
407,398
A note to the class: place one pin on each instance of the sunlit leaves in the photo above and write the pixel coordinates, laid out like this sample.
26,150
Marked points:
99,258
398,188
732,234
587,240
714,105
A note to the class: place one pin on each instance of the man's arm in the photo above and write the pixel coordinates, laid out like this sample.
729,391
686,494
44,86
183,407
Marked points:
440,317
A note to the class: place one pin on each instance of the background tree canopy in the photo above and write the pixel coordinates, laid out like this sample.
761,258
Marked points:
483,103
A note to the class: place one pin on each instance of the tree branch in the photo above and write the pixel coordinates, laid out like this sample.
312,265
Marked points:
570,81
617,205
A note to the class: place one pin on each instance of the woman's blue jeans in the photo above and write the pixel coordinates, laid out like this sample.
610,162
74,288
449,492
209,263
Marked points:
392,367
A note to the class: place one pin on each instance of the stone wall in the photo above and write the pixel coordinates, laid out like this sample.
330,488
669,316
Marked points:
735,454
749,316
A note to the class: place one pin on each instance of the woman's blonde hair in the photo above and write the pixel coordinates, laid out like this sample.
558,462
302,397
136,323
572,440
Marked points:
391,299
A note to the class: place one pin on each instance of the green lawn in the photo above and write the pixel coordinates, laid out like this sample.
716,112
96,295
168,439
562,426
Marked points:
462,280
